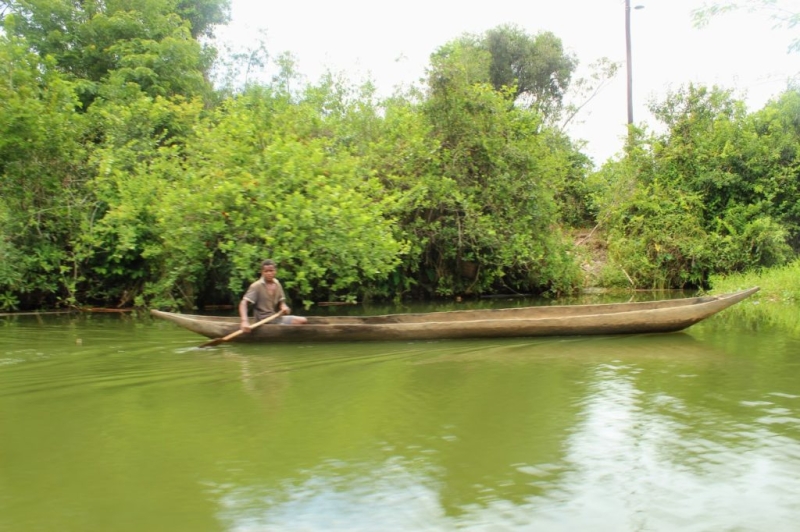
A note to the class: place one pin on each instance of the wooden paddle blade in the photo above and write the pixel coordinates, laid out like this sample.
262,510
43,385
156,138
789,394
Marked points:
215,341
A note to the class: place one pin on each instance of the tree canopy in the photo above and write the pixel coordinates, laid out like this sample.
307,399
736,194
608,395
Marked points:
152,43
534,68
127,178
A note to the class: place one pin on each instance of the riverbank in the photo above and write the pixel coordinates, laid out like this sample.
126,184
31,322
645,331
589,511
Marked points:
778,285
777,304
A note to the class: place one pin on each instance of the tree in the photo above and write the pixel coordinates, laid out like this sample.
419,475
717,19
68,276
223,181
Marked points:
93,93
261,178
148,42
778,159
584,89
713,194
484,207
43,173
534,70
203,15
537,66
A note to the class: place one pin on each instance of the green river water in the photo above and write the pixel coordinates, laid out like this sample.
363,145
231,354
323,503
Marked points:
112,423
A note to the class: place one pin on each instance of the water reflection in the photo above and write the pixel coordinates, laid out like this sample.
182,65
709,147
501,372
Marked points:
337,496
602,434
673,465
136,429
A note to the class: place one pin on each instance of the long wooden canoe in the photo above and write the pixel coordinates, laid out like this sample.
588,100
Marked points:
615,318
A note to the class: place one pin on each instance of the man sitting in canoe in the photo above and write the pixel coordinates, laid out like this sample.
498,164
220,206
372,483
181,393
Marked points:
267,297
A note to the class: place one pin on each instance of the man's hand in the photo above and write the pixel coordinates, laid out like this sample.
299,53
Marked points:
245,326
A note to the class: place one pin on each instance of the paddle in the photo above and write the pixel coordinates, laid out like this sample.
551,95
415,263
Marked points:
234,334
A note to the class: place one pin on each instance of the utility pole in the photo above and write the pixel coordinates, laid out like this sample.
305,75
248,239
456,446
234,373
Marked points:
628,59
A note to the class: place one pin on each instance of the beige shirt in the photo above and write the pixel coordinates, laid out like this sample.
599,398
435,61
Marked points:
265,302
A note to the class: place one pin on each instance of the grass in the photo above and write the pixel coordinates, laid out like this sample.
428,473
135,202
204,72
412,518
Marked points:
778,285
777,304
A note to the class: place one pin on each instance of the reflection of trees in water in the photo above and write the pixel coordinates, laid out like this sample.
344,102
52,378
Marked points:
485,421
481,426
502,425
470,432
469,424
777,319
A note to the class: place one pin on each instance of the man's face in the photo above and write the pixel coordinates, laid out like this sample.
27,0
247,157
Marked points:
268,273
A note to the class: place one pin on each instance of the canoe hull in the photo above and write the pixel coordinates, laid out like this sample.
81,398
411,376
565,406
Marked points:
607,319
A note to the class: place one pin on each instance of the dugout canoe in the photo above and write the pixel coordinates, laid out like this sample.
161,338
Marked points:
603,319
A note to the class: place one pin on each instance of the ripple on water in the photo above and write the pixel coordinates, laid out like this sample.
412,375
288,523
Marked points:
604,434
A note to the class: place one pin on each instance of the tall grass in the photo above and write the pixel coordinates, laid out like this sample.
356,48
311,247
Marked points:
776,304
778,285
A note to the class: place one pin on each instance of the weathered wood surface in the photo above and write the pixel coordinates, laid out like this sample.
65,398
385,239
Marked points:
616,318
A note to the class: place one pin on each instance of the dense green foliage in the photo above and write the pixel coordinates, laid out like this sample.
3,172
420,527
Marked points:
92,91
127,178
43,175
716,192
485,214
535,69
123,183
151,43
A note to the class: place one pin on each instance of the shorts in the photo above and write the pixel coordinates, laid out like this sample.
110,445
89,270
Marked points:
281,320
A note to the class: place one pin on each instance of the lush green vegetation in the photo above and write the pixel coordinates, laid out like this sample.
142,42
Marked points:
778,285
775,305
717,192
128,178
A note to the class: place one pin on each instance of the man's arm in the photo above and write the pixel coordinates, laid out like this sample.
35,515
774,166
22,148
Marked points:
282,300
245,323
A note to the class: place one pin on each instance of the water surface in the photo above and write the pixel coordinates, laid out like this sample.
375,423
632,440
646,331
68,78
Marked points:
113,423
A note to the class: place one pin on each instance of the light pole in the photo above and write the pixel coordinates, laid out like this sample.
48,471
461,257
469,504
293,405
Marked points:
628,57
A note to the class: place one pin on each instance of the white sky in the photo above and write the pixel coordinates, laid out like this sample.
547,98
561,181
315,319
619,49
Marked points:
392,42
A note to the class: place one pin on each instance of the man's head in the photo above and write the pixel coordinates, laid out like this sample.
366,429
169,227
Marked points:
268,270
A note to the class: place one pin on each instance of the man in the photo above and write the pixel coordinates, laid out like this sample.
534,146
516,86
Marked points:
267,297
